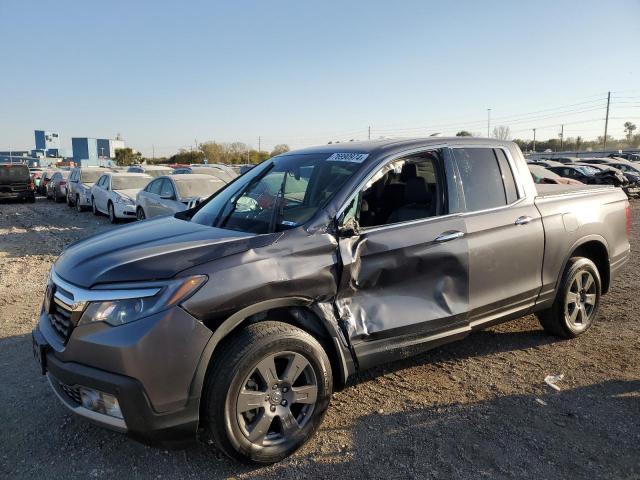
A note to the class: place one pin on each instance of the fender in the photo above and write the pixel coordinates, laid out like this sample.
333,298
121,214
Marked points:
345,361
578,243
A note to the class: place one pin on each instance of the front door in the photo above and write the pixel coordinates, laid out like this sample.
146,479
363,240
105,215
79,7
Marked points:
404,282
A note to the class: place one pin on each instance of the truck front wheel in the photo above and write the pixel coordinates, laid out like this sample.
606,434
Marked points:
266,392
577,300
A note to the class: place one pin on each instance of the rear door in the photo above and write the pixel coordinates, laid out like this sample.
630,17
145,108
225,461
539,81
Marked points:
504,234
404,281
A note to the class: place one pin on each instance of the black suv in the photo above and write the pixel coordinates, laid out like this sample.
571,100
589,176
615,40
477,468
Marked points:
16,183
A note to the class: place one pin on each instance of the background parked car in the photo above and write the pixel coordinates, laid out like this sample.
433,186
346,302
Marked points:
634,157
545,163
221,171
175,193
152,170
586,174
36,173
618,178
16,182
57,186
79,185
44,179
544,176
114,194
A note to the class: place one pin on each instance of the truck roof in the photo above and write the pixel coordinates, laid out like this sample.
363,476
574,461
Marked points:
390,145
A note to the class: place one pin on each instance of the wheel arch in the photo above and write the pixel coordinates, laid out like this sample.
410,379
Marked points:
297,311
596,249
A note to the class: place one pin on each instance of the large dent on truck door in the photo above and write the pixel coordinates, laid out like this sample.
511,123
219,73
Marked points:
392,285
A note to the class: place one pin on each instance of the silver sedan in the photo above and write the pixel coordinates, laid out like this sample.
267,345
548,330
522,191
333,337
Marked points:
170,194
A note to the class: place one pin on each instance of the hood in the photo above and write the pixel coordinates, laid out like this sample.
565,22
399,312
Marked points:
129,193
150,250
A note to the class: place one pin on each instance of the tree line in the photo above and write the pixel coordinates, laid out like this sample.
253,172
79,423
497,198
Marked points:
631,140
232,153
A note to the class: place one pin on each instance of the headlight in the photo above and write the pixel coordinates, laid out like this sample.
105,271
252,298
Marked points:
120,311
124,200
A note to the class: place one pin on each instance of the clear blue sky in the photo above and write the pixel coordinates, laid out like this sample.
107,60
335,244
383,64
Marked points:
167,73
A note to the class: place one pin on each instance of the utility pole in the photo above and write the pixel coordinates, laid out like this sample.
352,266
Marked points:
153,153
534,140
606,122
369,135
488,122
259,144
562,137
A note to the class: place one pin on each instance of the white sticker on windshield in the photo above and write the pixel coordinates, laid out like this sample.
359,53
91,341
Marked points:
348,157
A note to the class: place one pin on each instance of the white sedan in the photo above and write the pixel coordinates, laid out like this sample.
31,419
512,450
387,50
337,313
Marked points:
114,194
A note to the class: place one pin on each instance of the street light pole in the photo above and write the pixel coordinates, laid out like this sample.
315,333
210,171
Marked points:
534,140
488,122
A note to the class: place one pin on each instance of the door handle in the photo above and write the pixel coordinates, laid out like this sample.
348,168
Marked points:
448,236
523,220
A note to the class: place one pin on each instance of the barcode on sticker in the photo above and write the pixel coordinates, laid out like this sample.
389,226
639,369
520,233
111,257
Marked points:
348,157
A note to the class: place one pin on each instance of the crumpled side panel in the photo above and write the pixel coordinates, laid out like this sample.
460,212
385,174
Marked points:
399,281
297,265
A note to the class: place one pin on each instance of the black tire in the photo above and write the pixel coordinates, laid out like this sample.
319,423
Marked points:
237,364
562,319
112,213
32,199
57,198
140,215
69,202
78,205
93,207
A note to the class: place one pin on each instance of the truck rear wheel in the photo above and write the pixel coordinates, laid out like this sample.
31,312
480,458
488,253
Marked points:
577,301
266,392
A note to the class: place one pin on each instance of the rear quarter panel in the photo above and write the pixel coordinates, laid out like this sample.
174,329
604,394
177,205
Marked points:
574,217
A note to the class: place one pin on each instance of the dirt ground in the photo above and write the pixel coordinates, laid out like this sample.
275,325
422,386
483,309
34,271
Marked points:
478,408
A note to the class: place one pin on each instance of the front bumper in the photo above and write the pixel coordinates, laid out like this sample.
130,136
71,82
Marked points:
124,210
155,394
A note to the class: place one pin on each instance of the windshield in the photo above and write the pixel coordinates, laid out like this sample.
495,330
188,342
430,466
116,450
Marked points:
14,173
91,176
277,195
198,187
587,170
126,183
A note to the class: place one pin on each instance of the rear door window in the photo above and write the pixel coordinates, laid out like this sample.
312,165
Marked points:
482,178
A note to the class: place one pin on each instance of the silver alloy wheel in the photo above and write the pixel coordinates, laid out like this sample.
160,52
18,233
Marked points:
78,205
140,214
277,399
112,215
93,206
580,300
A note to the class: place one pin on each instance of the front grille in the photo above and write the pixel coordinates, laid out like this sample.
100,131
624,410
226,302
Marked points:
60,318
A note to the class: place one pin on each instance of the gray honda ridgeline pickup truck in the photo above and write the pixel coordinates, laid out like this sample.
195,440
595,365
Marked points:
237,319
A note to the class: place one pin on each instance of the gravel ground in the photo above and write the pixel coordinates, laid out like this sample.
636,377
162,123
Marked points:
477,408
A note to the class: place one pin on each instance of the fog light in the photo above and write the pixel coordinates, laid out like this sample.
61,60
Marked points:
100,402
